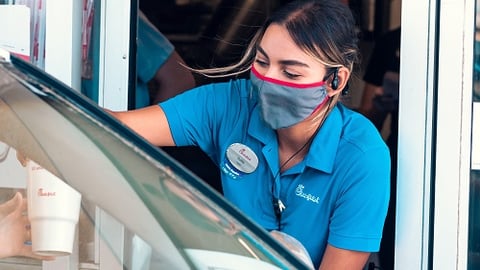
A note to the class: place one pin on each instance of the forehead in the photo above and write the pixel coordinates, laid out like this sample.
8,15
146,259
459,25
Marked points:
279,45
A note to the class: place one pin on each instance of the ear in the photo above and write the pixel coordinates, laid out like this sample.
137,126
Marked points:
343,75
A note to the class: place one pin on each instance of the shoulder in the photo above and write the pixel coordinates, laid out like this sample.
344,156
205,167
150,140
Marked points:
353,142
226,95
238,88
363,158
215,108
360,135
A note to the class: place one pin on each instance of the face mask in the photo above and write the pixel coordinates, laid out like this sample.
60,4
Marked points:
284,104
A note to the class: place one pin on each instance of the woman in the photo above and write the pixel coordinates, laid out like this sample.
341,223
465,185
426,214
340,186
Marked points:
292,157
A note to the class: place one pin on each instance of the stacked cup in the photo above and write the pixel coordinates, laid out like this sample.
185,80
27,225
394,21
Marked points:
53,211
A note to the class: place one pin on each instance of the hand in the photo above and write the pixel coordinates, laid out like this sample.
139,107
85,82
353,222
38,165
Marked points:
22,159
15,229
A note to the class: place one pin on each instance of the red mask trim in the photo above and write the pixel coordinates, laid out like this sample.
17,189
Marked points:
321,104
284,83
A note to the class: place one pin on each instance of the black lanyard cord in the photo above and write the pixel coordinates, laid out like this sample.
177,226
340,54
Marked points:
278,205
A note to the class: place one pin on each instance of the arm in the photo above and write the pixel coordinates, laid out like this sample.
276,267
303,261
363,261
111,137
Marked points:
149,122
375,70
356,224
170,79
385,58
369,92
159,65
342,259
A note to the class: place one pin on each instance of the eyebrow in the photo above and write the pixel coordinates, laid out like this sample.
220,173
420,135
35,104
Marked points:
283,62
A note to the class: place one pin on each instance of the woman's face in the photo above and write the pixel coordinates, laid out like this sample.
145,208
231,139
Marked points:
278,57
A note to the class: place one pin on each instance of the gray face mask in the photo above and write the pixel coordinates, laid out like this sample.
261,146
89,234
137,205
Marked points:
284,104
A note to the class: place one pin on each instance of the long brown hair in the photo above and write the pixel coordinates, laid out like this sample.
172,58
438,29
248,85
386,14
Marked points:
324,29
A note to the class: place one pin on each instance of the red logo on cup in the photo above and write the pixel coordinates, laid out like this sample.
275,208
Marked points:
42,193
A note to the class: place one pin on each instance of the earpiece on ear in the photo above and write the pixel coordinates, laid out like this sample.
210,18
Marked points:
334,83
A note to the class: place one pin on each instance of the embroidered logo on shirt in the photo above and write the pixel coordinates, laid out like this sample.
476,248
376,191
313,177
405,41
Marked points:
307,196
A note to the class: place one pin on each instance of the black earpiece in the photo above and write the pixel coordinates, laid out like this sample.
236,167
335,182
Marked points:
334,83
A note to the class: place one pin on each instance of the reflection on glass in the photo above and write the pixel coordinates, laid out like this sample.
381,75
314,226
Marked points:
201,230
134,197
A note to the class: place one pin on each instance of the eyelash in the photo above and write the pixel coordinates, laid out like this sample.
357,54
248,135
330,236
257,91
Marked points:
261,63
290,75
285,72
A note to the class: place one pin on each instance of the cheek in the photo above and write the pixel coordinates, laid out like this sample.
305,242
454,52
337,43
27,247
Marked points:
317,75
261,69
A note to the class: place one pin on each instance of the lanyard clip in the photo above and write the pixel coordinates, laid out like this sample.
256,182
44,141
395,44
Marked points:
278,206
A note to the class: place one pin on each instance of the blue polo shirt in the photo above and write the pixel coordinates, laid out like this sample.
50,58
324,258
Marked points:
338,194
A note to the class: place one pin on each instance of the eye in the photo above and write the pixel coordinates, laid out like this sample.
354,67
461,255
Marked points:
261,63
291,75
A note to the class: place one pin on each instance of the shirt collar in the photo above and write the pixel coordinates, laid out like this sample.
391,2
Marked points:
323,151
258,129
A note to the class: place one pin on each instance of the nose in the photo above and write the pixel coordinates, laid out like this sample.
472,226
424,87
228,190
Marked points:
268,71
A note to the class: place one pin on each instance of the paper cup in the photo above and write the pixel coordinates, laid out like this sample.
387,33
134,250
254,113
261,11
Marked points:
53,211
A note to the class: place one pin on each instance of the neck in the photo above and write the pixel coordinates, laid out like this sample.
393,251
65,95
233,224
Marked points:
294,137
294,142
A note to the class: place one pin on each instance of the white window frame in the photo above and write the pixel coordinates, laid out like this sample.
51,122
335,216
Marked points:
114,54
434,134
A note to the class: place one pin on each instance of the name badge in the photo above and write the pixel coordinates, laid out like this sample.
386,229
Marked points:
240,160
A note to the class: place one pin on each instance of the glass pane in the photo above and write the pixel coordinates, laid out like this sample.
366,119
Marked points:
139,209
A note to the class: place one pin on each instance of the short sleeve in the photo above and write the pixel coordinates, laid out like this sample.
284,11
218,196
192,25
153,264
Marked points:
362,203
203,115
153,49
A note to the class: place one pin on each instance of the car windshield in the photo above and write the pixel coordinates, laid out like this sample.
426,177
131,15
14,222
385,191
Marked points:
140,209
